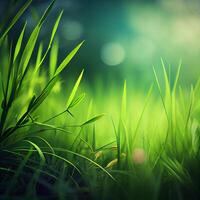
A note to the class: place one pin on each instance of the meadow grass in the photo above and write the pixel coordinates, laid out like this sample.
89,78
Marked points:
130,144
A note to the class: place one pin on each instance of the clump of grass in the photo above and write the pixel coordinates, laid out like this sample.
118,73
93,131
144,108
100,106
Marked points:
148,150
19,75
17,70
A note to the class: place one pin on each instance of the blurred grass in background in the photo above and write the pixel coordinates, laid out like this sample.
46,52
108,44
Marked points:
124,38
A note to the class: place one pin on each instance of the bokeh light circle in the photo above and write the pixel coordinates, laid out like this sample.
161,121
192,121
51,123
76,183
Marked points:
72,30
112,54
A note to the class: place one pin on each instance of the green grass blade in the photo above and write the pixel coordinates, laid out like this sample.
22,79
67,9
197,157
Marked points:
19,42
76,101
65,160
28,50
93,119
54,155
160,92
177,76
7,170
39,57
38,150
123,104
15,19
55,29
53,58
68,58
44,16
142,113
30,160
34,104
17,172
45,92
167,83
94,138
51,127
32,41
74,90
45,141
89,160
51,39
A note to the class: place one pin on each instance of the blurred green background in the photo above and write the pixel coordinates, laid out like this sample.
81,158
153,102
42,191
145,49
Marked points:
123,39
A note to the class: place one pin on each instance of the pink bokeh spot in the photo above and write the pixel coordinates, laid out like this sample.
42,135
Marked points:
139,156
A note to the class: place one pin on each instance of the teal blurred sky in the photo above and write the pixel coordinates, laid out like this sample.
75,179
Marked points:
125,38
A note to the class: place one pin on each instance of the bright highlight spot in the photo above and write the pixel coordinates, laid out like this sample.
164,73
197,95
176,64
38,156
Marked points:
112,54
72,30
139,156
